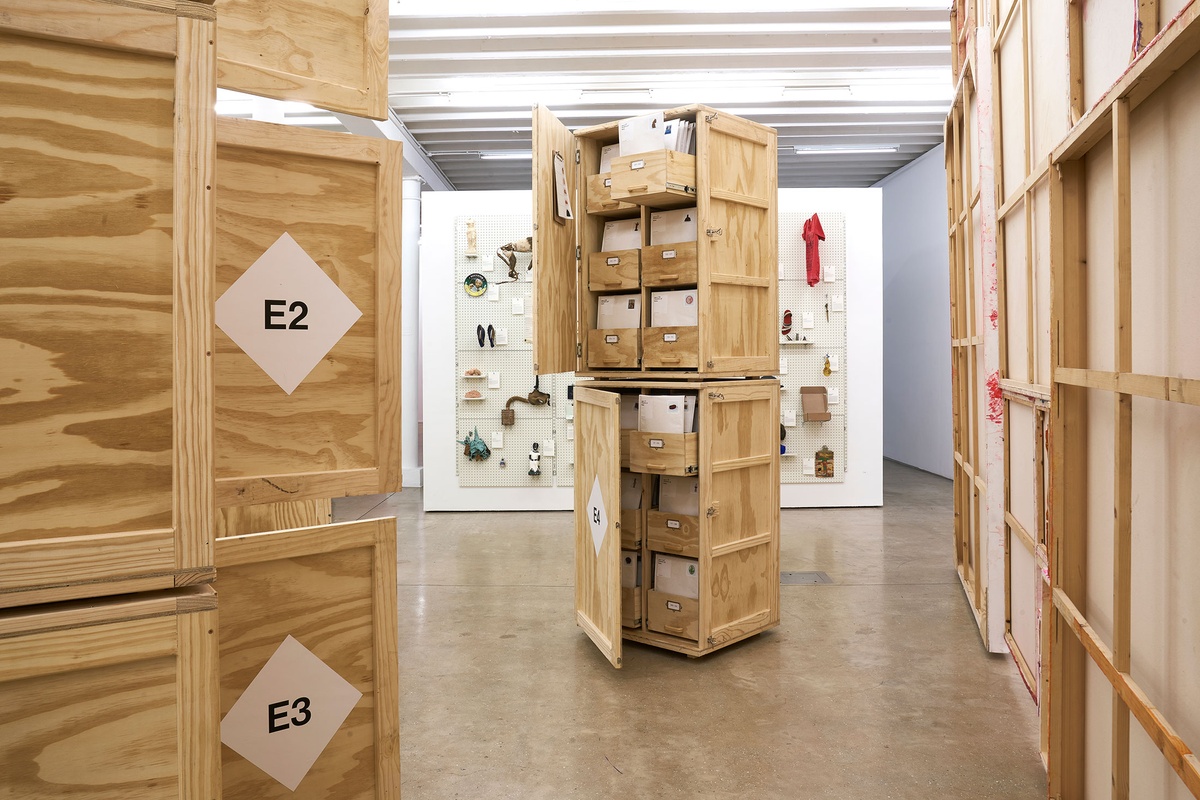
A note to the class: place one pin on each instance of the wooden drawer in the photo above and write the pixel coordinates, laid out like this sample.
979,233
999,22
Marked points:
676,534
660,178
673,614
669,265
632,530
613,270
114,698
671,347
664,453
600,201
614,348
106,297
333,589
631,607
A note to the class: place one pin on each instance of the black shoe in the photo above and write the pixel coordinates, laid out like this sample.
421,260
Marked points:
491,337
479,334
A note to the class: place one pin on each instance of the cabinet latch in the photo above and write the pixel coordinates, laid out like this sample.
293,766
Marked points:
715,396
714,231
711,364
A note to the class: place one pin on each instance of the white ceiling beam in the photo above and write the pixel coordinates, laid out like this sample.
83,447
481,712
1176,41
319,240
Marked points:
415,156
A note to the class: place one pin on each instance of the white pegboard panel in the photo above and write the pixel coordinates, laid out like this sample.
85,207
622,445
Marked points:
827,337
511,363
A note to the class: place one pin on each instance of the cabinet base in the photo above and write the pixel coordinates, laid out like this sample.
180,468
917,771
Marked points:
692,649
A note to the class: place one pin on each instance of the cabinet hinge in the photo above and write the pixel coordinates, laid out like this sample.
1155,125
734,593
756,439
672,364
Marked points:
715,395
579,349
578,252
711,641
576,156
711,364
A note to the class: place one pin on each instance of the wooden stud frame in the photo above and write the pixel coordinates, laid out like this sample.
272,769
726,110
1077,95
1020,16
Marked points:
333,588
339,432
80,528
107,698
330,54
1073,637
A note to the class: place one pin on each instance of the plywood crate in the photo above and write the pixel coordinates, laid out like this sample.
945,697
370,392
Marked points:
105,297
333,589
331,53
112,698
338,197
734,538
732,264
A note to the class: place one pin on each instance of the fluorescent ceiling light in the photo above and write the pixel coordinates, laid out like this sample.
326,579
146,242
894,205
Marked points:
808,150
507,155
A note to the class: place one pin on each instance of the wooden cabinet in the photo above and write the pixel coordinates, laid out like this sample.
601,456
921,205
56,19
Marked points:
730,266
731,543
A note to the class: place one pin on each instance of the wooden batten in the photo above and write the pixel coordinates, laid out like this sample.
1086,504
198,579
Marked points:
333,589
339,198
109,459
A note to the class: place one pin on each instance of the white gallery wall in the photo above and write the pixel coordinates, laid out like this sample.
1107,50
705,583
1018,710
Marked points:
917,425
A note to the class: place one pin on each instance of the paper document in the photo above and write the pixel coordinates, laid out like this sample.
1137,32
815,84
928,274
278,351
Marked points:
621,234
641,134
668,227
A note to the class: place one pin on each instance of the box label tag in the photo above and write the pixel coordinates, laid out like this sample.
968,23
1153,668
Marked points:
670,337
637,164
613,261
673,606
673,523
657,444
611,339
607,182
668,254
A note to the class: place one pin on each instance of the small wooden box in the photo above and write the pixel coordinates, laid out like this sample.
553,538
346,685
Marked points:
631,607
669,265
614,270
115,698
600,202
614,348
671,348
664,453
106,297
659,178
673,614
333,589
677,534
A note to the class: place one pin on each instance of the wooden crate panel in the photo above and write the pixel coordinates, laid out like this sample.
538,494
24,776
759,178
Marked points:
743,500
110,700
332,588
338,197
743,591
325,52
104,296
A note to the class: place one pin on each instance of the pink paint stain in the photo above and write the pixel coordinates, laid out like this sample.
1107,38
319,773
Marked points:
995,318
995,399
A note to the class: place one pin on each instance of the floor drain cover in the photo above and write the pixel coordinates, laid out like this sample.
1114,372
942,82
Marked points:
797,578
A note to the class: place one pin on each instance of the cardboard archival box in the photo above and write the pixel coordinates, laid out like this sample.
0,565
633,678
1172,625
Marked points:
678,495
677,575
669,227
814,402
631,491
629,412
631,572
619,311
675,309
661,413
622,234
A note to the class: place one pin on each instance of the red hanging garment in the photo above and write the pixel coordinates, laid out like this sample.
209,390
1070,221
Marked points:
813,233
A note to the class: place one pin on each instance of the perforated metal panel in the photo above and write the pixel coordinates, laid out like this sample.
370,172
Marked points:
511,362
827,337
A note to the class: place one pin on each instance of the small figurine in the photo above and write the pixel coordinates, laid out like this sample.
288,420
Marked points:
475,448
508,254
471,252
535,461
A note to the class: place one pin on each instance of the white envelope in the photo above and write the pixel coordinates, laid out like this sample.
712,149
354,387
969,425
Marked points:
661,413
619,311
668,227
607,154
631,572
678,308
631,491
629,417
679,495
641,134
622,234
677,575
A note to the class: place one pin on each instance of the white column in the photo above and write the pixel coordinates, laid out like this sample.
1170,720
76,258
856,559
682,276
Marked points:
410,345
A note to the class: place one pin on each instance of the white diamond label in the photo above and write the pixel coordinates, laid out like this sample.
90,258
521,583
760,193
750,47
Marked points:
285,313
597,516
289,712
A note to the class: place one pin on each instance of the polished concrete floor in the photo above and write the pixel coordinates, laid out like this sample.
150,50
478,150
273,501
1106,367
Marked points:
874,686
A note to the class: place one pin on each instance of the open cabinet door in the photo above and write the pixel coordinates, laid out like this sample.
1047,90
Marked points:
738,179
597,519
555,268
